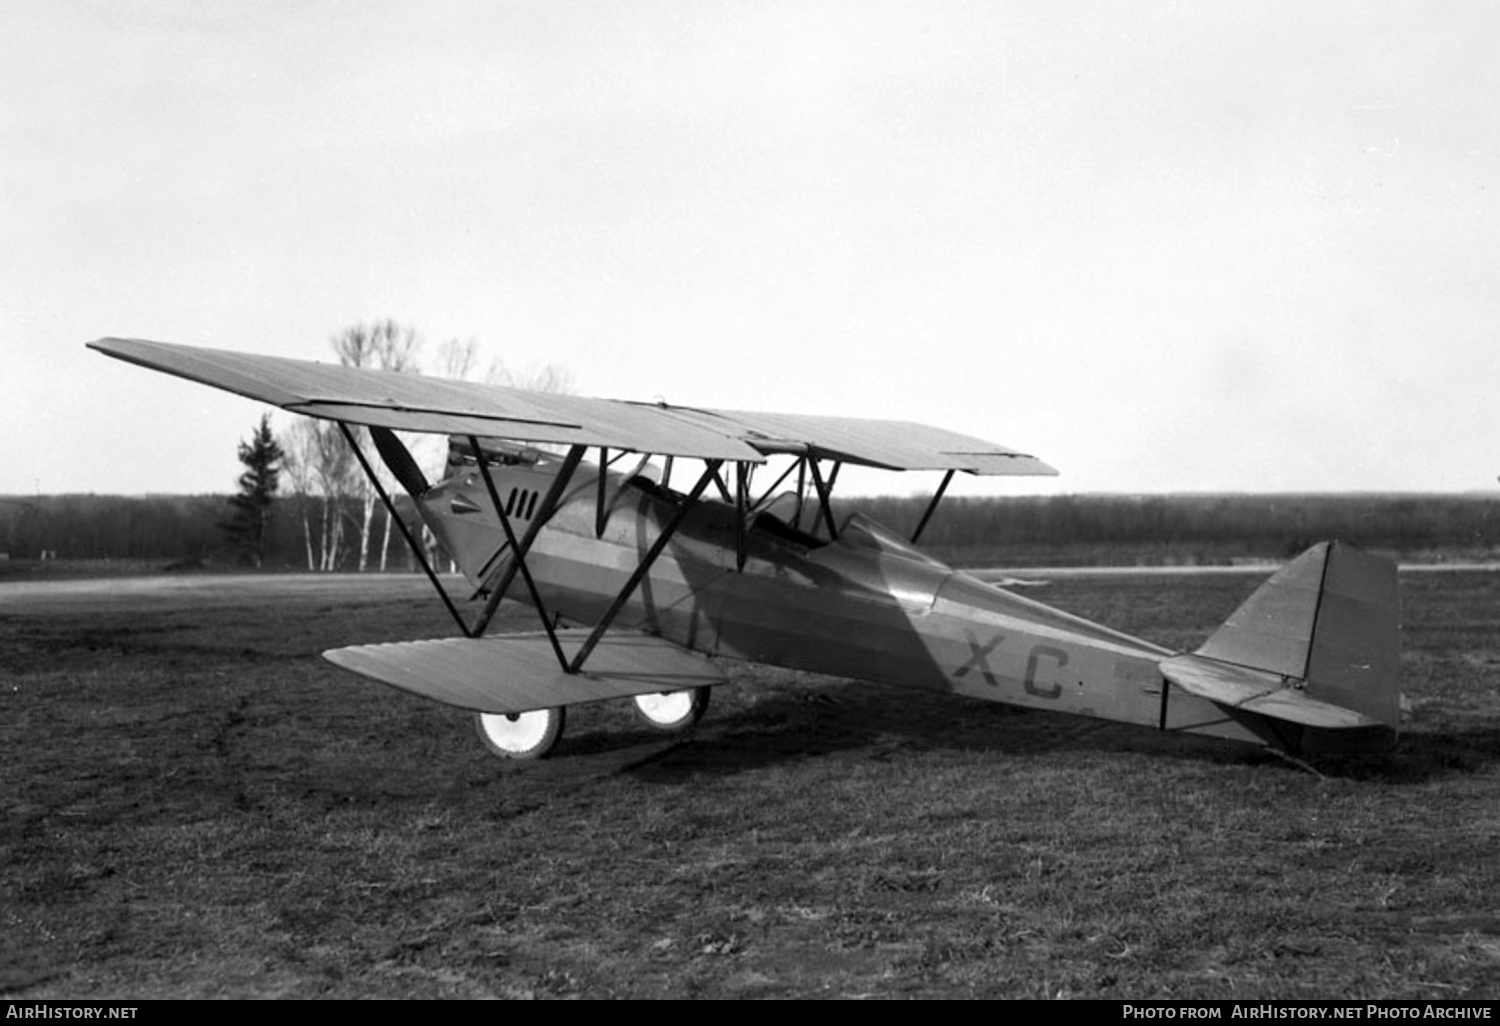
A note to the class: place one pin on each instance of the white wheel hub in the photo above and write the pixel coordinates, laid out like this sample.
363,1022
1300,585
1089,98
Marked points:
528,735
672,710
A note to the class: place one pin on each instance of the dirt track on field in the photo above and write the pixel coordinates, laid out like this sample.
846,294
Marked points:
215,588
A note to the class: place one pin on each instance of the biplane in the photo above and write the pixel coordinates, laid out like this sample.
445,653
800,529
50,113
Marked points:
645,573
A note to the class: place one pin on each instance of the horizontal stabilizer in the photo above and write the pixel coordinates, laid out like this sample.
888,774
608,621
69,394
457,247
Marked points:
516,673
1258,691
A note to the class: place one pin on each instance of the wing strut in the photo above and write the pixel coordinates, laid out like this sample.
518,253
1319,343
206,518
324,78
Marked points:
389,446
710,473
797,466
825,494
549,504
599,511
521,546
390,510
801,492
519,551
741,500
932,506
718,480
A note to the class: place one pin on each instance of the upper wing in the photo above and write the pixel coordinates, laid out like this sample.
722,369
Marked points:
409,402
888,444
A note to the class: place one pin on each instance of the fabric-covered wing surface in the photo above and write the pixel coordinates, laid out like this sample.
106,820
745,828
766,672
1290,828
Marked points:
517,673
888,444
409,402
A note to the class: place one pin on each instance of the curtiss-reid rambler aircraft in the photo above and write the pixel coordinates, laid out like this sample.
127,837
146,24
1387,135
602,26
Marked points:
636,585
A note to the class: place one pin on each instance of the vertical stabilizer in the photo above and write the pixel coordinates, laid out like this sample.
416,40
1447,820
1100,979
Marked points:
1273,629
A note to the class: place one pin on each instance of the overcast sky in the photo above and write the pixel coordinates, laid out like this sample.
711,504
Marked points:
1164,246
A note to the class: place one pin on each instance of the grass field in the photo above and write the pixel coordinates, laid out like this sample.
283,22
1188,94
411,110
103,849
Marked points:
197,805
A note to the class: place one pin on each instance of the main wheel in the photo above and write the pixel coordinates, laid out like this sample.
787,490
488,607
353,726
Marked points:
521,735
671,711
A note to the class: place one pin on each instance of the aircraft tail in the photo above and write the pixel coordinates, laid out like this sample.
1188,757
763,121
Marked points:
1316,647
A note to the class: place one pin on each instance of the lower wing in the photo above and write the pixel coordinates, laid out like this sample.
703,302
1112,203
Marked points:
517,673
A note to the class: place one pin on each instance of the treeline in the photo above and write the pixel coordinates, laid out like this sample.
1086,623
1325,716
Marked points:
110,526
1017,531
1192,529
174,529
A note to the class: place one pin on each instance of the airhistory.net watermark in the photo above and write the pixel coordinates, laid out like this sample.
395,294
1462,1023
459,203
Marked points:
1273,1010
46,1011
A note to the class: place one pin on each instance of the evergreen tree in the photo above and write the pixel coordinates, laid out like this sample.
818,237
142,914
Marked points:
248,519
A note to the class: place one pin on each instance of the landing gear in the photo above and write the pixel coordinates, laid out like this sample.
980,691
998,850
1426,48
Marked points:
672,711
521,735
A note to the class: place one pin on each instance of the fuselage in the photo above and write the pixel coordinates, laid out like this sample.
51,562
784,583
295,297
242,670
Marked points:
867,605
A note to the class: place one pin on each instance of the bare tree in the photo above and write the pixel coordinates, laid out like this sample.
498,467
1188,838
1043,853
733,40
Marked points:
338,480
549,377
321,470
456,359
383,345
460,360
299,465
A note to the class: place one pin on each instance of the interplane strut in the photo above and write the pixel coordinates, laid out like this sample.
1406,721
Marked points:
391,451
